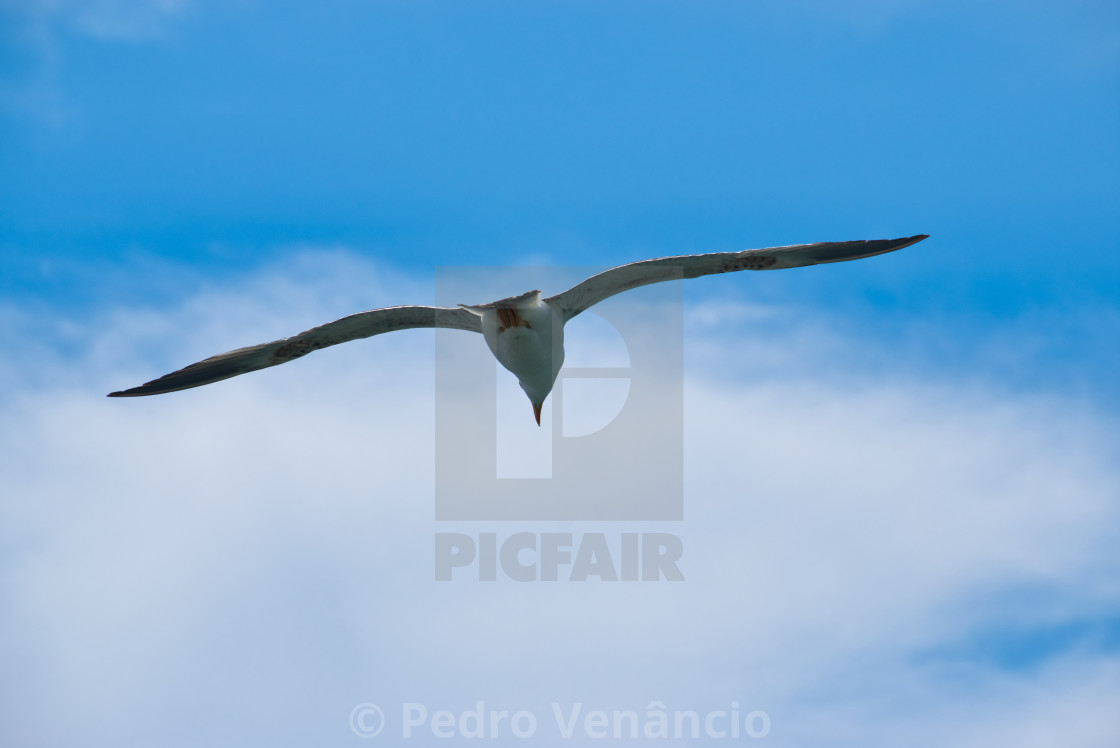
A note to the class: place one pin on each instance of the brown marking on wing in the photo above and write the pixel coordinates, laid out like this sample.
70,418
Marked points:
298,348
746,262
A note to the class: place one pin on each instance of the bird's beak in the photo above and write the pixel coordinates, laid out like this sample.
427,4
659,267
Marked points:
537,412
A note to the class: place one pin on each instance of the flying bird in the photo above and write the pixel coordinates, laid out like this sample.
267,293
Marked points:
525,333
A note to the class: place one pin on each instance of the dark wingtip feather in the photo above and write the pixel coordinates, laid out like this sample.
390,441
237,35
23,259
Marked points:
135,391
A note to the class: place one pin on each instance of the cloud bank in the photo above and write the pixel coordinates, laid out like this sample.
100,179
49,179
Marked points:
906,557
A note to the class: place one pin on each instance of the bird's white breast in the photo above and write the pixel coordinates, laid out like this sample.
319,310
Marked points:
529,342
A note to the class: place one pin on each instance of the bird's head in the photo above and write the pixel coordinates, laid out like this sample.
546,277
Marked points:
537,395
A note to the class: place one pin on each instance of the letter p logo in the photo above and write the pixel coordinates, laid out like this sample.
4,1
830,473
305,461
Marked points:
610,447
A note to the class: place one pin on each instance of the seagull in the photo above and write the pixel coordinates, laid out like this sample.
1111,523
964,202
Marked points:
525,333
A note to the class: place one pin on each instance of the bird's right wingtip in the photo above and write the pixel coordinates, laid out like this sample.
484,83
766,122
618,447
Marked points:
133,392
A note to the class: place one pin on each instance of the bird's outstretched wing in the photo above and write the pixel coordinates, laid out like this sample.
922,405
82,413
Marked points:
353,327
624,277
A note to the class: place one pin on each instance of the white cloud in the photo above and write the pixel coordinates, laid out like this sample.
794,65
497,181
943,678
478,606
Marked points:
244,563
106,20
39,31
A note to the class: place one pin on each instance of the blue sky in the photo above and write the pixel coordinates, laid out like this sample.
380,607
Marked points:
213,136
182,177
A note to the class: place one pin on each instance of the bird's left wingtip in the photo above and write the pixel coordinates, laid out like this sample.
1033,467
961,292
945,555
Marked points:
908,241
